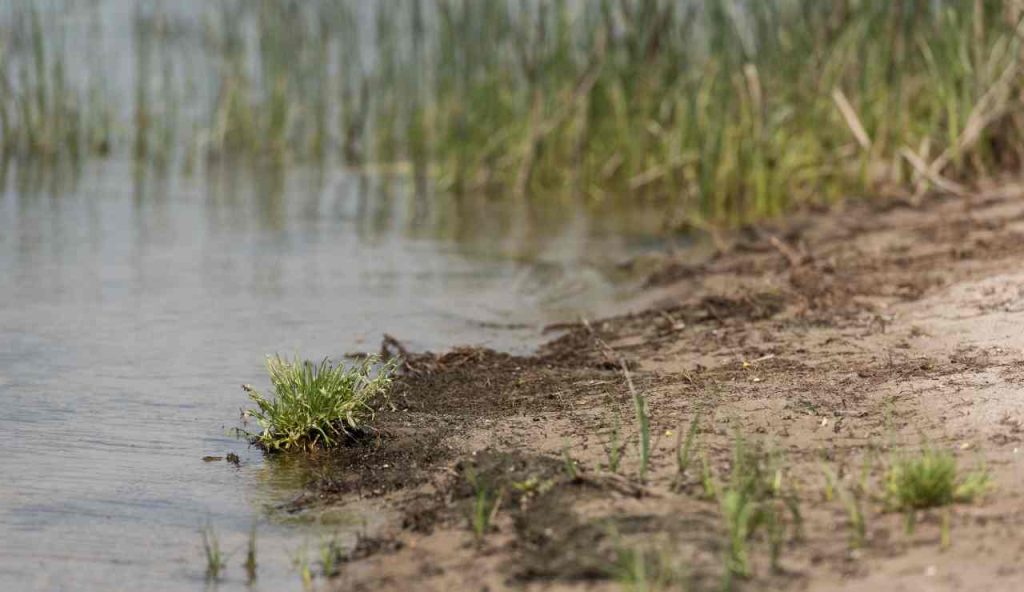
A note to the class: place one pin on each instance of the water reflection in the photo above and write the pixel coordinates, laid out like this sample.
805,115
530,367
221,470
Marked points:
135,301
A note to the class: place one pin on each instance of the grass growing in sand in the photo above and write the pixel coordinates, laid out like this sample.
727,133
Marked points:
640,569
316,405
930,479
485,507
755,500
851,503
684,451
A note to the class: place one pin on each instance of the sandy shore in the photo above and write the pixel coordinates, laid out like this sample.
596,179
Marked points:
834,344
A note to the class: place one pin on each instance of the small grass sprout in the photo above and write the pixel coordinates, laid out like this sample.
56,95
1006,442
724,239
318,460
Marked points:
614,447
250,555
300,560
571,468
331,556
316,405
485,508
643,424
215,560
643,570
851,503
684,451
755,498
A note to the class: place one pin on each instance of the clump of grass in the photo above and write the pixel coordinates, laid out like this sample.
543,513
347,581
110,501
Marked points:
316,405
215,560
929,479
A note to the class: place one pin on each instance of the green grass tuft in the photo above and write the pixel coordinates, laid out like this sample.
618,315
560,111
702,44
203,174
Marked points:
930,479
316,405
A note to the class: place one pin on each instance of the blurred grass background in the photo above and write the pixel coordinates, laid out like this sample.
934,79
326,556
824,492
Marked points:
722,112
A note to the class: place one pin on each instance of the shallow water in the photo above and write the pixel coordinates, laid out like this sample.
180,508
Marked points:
132,307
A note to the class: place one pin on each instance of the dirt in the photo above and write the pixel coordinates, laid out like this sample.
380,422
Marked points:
838,340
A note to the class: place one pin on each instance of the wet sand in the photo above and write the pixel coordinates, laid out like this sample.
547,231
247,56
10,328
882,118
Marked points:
836,340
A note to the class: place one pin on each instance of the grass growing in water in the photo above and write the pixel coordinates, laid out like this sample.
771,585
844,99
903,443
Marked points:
250,555
300,560
723,110
929,479
316,405
215,560
331,556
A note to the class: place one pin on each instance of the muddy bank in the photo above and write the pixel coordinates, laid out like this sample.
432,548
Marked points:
827,346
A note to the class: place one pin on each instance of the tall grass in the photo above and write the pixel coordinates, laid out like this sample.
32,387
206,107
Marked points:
720,111
727,111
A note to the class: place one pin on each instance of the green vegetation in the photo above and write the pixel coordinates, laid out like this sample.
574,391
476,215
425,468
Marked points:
643,425
42,114
250,555
571,468
316,405
722,111
642,570
754,499
215,560
331,556
613,450
851,504
929,479
684,451
300,560
728,111
485,507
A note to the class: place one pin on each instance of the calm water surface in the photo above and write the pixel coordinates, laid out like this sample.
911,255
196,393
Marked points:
132,307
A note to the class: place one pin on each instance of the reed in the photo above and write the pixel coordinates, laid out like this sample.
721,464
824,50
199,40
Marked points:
718,111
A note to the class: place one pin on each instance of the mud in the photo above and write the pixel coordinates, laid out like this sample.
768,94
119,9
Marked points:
838,339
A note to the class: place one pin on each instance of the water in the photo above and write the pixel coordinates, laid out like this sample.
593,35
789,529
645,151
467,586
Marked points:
132,308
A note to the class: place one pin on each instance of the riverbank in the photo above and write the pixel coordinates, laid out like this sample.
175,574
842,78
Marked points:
834,345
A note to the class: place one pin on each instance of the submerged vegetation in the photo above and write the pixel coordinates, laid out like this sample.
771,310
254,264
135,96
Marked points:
316,405
722,111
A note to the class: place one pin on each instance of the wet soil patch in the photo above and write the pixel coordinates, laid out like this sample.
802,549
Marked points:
793,337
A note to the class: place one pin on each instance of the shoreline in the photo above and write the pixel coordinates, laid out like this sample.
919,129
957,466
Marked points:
835,343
